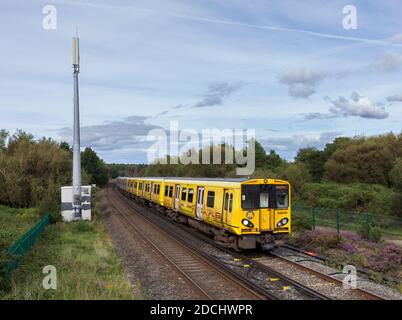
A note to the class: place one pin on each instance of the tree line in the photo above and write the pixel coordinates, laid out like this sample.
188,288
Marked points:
358,161
32,171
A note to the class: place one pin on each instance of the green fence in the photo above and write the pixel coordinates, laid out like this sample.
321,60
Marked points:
25,243
339,220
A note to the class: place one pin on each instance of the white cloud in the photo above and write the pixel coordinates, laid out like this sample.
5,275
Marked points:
217,92
301,81
291,144
395,98
356,106
389,62
114,135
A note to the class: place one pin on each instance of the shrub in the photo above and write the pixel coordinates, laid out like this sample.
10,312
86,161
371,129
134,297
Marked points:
301,221
29,214
348,197
370,232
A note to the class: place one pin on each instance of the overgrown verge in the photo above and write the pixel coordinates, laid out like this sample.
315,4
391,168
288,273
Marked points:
382,260
86,265
356,197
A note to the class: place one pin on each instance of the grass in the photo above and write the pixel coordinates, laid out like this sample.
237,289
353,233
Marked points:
87,267
14,223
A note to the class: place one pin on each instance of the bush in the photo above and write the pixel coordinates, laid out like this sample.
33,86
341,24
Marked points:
358,197
301,221
5,277
296,174
29,214
369,232
396,174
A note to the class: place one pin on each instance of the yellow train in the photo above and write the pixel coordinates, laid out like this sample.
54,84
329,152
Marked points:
240,213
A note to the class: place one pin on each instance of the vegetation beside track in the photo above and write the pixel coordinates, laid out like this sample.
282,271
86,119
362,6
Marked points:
87,267
382,260
14,223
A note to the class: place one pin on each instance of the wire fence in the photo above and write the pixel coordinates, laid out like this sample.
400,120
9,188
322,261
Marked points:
364,223
17,250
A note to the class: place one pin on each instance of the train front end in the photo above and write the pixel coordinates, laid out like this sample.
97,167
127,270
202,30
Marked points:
265,216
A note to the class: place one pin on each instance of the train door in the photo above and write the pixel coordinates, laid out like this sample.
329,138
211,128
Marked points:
227,205
176,197
200,201
266,212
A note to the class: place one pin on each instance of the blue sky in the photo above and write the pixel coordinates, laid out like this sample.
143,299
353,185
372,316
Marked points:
288,69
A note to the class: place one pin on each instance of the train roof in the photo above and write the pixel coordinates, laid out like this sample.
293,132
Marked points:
209,181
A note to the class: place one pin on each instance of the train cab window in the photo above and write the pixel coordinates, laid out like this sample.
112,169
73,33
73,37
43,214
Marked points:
282,196
231,202
190,195
170,191
264,196
166,191
183,194
250,196
211,199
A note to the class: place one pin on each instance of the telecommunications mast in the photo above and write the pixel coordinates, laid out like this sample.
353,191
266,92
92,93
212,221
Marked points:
76,134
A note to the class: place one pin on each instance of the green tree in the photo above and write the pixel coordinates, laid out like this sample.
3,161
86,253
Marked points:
94,166
260,155
273,160
395,175
297,174
314,161
362,160
3,139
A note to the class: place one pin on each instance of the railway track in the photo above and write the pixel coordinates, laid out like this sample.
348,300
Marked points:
267,282
201,272
357,291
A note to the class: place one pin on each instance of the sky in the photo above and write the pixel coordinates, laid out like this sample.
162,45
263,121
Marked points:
290,70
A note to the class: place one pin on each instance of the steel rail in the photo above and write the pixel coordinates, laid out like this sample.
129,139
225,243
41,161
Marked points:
202,258
258,266
362,292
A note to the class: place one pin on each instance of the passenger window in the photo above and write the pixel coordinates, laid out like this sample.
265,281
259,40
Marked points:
226,201
183,194
171,191
190,195
231,202
166,191
211,199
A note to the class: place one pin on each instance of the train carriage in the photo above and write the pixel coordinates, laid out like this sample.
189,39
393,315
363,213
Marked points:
239,212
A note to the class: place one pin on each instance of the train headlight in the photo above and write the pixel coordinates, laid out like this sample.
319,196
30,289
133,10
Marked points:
282,222
247,223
